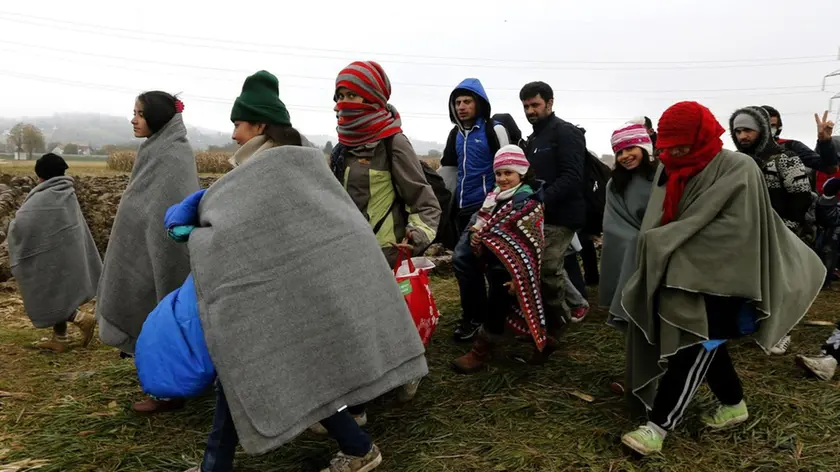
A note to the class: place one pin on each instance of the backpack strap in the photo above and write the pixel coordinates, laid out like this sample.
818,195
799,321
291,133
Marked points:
492,139
389,156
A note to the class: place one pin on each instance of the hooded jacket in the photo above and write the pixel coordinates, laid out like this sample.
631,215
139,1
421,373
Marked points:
472,150
784,173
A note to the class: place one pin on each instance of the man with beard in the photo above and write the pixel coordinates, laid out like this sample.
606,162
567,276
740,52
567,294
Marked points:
784,174
557,152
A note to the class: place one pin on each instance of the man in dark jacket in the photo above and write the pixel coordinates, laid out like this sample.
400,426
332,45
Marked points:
824,159
469,153
557,152
784,172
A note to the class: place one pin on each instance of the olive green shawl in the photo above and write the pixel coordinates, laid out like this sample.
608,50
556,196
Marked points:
726,241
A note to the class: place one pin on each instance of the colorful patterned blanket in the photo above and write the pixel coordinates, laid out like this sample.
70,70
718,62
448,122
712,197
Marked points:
514,234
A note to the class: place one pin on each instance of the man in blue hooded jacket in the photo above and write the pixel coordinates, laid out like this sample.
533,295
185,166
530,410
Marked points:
470,148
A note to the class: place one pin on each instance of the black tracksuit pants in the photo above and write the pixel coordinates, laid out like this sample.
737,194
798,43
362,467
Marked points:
690,366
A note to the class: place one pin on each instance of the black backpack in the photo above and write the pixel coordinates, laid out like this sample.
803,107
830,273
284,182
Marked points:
596,175
442,194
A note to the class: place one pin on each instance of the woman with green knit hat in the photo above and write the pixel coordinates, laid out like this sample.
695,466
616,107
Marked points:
260,119
247,228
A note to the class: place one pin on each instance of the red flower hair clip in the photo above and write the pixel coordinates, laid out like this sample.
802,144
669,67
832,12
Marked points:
179,105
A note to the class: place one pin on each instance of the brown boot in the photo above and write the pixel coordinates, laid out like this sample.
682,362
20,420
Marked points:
87,325
478,356
57,344
541,357
149,405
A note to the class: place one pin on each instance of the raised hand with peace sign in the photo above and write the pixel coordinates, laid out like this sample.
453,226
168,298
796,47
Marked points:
825,127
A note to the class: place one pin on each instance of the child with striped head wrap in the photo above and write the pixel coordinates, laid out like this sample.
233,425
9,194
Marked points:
362,91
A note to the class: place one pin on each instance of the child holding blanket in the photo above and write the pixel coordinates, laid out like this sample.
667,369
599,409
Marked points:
507,236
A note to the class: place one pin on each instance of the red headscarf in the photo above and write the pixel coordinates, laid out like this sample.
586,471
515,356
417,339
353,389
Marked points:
686,124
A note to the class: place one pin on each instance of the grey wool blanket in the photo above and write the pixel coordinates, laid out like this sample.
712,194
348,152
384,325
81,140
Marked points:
726,241
622,219
300,311
52,253
142,265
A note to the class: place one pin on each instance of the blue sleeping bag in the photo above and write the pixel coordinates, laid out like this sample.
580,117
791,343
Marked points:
171,355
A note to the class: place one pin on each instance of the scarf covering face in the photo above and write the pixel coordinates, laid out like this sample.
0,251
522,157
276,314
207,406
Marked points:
376,119
686,123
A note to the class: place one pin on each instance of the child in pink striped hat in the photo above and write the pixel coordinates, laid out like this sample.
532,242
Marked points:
507,238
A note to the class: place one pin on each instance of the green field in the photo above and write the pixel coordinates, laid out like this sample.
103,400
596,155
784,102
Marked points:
72,411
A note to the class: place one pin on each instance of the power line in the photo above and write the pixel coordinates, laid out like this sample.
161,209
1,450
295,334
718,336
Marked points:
426,85
294,107
97,30
418,56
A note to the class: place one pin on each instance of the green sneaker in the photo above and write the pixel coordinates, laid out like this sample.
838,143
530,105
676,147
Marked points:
727,416
644,440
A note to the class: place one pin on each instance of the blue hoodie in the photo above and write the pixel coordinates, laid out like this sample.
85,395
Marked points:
472,150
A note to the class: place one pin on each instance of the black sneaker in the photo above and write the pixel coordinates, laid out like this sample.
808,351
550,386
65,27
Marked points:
466,331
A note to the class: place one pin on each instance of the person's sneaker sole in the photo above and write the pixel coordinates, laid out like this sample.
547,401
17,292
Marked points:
728,424
804,365
637,447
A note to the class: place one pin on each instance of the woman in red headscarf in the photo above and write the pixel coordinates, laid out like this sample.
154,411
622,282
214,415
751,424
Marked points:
715,262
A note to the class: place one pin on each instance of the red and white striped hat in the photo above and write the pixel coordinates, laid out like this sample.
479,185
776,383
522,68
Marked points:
629,135
511,157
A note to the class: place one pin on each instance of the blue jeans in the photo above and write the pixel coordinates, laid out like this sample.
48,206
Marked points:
470,281
222,442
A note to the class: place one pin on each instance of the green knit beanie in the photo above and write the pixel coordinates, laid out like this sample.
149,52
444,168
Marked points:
260,101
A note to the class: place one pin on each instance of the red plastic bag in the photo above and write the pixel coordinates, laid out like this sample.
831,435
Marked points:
417,291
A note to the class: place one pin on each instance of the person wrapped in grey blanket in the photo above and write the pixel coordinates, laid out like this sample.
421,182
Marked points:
301,313
142,265
53,256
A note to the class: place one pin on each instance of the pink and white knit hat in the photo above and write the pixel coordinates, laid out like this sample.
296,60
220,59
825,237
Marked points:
511,157
632,134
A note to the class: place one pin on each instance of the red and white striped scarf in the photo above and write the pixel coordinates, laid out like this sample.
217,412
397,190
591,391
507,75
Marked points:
376,119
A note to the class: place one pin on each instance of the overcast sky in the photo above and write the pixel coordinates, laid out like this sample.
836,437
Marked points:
607,60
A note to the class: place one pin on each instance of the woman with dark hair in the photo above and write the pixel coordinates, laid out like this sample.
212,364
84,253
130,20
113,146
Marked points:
142,265
628,192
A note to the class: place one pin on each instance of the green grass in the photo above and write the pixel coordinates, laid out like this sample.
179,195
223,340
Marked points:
73,411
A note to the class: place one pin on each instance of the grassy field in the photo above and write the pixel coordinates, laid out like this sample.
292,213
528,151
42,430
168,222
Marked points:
71,412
